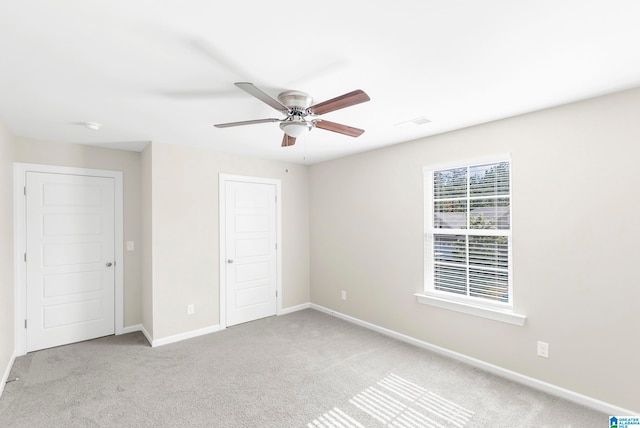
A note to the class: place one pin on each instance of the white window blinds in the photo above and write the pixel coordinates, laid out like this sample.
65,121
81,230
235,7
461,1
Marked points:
468,232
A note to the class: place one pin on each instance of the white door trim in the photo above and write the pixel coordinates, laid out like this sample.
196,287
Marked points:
223,178
20,234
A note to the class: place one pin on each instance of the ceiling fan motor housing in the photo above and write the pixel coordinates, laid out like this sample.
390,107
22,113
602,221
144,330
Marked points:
295,100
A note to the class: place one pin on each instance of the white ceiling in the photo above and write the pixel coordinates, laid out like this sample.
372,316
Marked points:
151,70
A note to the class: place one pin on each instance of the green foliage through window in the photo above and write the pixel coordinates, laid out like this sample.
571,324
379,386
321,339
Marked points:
467,260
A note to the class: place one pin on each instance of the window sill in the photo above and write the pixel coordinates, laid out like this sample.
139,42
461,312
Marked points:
467,308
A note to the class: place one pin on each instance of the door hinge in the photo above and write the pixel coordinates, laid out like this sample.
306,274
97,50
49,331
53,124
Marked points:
25,257
25,323
276,293
25,190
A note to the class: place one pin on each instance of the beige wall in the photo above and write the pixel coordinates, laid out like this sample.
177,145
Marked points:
81,156
147,252
185,247
6,250
575,242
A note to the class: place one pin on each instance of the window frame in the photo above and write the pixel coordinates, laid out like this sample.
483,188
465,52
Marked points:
501,311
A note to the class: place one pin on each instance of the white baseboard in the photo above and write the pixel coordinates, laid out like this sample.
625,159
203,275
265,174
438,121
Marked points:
7,372
146,334
131,329
558,391
135,328
183,336
296,308
206,330
199,332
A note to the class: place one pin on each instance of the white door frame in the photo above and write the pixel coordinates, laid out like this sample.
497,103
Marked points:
223,179
20,237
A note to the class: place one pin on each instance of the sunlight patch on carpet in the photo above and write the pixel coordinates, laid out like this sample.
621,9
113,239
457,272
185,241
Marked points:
397,402
335,418
438,406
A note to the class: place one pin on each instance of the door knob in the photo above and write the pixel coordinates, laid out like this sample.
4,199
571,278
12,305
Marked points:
109,264
230,261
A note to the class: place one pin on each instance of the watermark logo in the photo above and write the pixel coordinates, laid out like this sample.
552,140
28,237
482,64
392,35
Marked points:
624,421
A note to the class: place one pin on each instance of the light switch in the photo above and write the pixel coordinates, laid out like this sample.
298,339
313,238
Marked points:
130,246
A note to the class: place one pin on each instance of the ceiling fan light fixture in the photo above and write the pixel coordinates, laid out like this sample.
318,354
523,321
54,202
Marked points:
295,128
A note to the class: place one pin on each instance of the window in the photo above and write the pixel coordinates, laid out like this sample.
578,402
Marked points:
468,235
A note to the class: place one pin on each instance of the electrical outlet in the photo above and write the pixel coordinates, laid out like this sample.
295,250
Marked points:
543,349
191,309
344,295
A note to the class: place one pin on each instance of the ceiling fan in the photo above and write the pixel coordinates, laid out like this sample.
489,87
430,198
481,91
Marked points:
301,114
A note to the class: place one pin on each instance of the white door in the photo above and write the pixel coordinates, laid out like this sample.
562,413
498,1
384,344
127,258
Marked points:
250,232
70,258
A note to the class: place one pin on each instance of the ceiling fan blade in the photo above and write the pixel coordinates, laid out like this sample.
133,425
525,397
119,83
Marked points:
213,53
339,128
251,89
288,141
245,122
352,98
